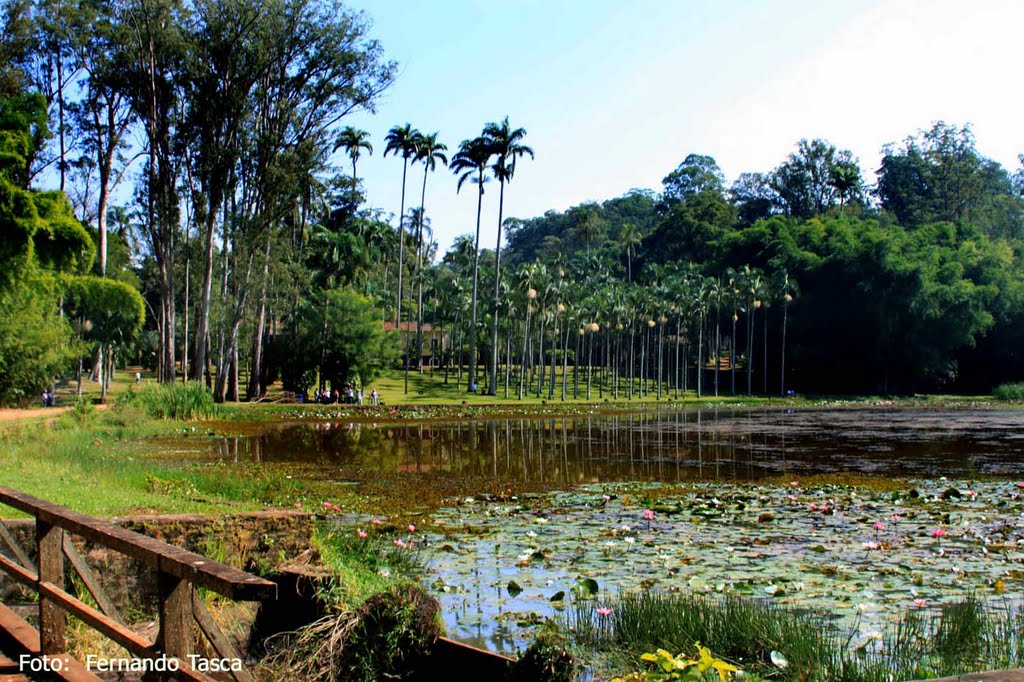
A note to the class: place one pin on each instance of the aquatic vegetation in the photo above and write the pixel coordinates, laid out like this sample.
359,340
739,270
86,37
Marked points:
821,548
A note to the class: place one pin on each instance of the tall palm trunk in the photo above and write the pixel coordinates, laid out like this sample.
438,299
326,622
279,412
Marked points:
522,356
476,269
497,291
401,253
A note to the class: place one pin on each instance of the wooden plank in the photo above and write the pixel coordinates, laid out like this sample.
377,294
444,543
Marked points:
121,634
52,619
22,575
25,639
15,548
216,637
224,580
89,579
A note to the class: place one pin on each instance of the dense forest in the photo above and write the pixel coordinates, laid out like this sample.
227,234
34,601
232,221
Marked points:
195,225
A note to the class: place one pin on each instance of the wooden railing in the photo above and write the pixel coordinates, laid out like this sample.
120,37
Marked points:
179,572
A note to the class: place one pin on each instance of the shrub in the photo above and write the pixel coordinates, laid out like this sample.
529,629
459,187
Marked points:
1009,391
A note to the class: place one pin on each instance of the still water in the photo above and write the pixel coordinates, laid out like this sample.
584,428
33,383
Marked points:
726,444
501,566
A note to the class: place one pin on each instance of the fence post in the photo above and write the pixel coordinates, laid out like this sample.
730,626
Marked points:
52,618
175,638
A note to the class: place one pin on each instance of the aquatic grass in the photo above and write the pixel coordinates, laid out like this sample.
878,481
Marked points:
795,644
189,401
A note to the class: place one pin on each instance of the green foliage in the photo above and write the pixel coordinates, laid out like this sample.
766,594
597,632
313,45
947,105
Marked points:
341,335
188,402
880,309
1013,391
548,659
665,666
113,310
36,343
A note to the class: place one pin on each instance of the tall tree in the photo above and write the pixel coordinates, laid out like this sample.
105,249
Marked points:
470,163
401,141
354,141
428,152
506,144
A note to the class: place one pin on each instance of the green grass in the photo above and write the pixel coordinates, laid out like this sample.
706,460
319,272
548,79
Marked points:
105,463
960,637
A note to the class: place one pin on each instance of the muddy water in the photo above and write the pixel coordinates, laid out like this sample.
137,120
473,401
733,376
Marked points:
664,445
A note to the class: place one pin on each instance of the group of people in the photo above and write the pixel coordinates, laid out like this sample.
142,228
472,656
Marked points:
348,395
48,398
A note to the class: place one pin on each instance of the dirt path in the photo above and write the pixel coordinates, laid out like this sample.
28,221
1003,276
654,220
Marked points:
12,415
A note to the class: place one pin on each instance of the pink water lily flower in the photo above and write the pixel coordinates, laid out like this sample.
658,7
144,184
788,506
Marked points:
649,514
920,602
362,533
938,532
412,528
376,522
604,611
878,525
401,543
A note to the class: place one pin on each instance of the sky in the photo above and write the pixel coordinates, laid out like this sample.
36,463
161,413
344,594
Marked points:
614,94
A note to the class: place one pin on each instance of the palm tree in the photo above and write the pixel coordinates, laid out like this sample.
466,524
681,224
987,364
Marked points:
401,141
428,151
353,140
630,238
505,143
471,161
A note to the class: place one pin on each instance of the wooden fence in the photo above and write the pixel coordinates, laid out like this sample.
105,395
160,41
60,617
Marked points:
179,573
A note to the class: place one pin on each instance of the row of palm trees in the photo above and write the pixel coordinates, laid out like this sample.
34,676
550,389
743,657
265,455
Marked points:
629,339
492,154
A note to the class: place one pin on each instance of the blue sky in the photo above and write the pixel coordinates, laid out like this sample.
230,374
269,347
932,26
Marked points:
614,95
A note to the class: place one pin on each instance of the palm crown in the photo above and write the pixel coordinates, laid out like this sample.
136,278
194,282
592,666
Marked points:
471,159
401,141
506,144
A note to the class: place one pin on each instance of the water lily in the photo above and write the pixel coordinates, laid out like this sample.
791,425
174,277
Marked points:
401,543
649,514
920,603
938,532
412,528
298,505
871,545
604,611
878,525
362,533
376,522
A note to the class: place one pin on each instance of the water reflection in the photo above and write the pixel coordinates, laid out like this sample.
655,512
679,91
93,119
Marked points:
725,443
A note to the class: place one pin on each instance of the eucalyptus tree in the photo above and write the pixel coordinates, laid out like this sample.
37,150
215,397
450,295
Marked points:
354,141
470,163
401,141
429,152
149,61
324,68
103,116
506,145
230,50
